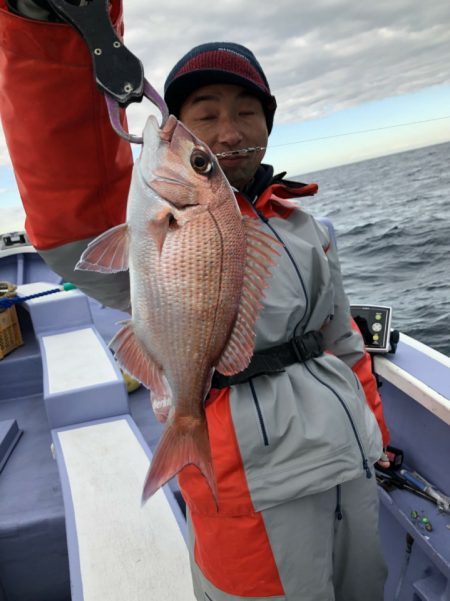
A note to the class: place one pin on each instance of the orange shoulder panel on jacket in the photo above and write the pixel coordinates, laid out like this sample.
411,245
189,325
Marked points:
72,169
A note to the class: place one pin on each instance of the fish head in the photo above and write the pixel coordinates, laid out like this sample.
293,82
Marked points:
180,168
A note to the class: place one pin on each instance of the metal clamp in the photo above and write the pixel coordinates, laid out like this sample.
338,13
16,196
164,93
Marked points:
119,74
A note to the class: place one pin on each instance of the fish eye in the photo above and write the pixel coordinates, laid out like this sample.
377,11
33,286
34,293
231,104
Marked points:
201,162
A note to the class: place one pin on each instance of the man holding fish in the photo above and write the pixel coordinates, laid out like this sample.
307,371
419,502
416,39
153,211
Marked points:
240,325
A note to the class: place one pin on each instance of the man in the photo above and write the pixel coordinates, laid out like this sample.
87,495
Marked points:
220,92
292,450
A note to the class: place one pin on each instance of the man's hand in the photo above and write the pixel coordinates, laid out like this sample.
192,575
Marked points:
383,461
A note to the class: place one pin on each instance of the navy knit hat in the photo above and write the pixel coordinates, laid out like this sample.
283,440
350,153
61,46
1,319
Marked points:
218,62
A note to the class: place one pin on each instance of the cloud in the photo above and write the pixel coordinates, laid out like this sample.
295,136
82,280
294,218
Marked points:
4,155
13,219
320,57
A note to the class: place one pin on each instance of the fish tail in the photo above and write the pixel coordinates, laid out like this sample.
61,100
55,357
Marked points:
185,441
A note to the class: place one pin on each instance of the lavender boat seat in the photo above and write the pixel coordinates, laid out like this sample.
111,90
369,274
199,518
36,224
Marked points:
81,379
119,549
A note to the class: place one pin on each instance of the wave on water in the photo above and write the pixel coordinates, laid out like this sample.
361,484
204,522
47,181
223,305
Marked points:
390,216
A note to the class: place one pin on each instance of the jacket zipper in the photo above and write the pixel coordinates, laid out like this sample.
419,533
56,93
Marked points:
265,436
291,258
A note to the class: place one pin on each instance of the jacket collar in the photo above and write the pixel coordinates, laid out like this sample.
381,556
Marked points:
271,194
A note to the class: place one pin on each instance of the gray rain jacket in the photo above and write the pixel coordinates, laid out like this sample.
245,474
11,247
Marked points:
310,427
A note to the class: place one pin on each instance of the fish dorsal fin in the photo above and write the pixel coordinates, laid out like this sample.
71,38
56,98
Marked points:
135,359
260,256
108,253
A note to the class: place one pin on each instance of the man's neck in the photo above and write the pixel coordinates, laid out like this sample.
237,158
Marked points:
259,183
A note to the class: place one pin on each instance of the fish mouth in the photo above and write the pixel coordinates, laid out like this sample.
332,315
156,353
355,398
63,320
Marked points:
173,174
177,193
167,130
168,180
162,186
159,183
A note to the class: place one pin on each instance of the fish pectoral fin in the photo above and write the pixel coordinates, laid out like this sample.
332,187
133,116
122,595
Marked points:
108,253
159,225
185,441
135,359
260,256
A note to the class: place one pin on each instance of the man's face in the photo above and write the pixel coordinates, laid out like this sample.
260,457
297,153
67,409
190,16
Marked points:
227,117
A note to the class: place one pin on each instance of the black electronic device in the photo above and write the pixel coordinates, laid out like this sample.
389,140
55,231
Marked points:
374,322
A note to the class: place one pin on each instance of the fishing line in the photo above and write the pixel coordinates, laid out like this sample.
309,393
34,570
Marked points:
239,152
360,131
244,151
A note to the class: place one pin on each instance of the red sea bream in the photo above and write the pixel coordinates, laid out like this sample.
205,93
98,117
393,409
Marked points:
197,273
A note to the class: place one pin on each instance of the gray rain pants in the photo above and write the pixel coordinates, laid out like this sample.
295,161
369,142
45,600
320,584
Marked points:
319,556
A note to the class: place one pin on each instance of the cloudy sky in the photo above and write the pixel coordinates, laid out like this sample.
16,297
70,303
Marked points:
353,80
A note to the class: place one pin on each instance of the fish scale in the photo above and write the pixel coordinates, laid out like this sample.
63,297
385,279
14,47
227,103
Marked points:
190,283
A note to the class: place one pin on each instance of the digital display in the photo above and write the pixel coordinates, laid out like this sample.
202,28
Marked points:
374,322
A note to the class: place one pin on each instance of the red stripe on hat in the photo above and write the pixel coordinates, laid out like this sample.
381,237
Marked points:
224,60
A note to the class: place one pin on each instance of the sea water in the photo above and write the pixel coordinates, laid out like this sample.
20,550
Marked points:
392,220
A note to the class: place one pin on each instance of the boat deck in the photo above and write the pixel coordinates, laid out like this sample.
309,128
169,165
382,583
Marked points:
32,524
33,548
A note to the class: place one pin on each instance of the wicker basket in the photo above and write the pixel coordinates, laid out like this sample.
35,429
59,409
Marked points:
10,334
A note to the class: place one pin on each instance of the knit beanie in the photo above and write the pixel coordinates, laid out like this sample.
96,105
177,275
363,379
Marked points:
218,62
